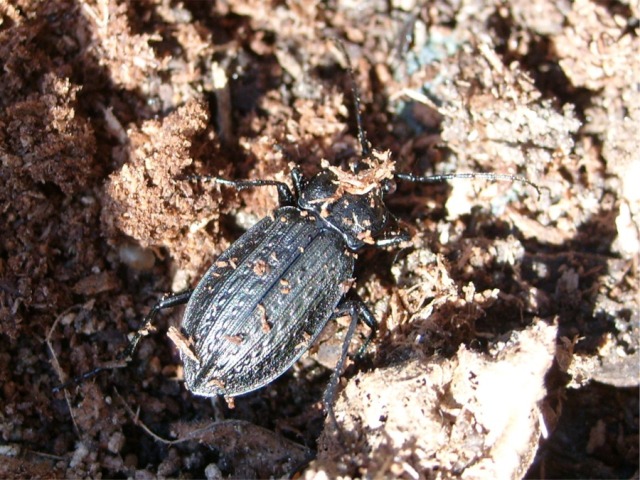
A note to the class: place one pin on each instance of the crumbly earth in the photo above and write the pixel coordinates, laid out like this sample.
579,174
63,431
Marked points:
508,342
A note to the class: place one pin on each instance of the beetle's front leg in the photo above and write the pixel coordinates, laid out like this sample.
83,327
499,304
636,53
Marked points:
392,239
285,196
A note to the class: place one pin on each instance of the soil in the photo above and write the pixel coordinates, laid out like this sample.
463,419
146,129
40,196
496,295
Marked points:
509,329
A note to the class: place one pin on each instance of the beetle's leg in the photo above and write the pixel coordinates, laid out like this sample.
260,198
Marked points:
298,180
330,392
393,236
166,301
356,309
391,239
355,304
285,196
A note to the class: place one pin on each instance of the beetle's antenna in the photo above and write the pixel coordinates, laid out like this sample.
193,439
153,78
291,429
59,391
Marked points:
355,92
409,177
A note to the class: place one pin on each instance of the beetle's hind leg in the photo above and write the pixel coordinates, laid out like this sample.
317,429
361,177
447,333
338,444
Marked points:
167,301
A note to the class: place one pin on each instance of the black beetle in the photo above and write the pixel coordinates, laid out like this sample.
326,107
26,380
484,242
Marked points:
266,299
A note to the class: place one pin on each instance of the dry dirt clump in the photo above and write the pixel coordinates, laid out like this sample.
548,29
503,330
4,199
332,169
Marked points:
509,330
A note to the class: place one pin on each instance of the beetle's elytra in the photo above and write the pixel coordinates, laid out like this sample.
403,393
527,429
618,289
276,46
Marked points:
246,329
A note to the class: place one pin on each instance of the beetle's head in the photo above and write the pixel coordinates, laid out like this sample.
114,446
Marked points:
352,203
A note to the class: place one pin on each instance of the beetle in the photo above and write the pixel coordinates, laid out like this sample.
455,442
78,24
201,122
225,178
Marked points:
267,298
